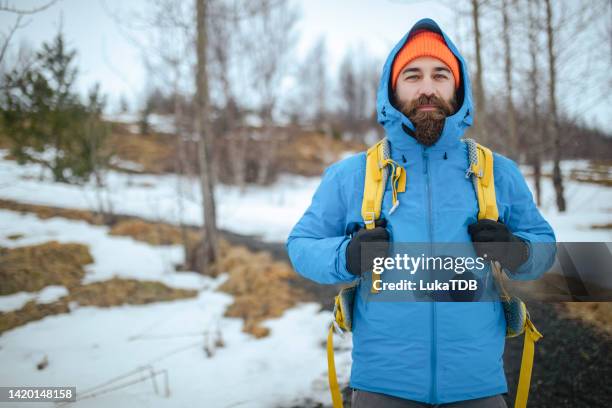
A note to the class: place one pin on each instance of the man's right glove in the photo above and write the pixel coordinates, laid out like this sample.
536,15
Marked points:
354,249
498,243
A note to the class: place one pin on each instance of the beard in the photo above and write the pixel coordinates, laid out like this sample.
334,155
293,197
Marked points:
428,124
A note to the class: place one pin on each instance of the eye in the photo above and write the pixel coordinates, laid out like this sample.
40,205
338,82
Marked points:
412,77
441,76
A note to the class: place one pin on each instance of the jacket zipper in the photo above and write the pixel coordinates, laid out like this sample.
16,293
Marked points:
433,302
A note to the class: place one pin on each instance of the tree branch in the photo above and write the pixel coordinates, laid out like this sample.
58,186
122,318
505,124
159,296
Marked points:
6,7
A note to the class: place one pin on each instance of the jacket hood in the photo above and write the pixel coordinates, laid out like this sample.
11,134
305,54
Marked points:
397,125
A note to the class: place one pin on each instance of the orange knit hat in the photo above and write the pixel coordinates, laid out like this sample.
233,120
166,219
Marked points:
425,44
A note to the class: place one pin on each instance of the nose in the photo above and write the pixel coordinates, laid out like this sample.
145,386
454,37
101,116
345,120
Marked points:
427,87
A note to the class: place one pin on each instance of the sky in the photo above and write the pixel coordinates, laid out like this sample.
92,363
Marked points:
107,57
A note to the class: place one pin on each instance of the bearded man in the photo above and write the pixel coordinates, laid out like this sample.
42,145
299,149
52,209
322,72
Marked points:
423,354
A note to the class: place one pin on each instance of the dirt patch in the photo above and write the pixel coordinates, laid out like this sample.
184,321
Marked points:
598,314
31,268
113,292
602,226
573,361
14,237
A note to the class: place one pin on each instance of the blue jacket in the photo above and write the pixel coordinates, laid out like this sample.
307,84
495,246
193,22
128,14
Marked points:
432,352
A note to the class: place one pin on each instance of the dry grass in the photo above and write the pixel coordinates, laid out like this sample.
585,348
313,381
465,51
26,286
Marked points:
113,292
598,172
154,233
31,312
155,153
309,153
31,268
260,287
45,212
116,291
598,314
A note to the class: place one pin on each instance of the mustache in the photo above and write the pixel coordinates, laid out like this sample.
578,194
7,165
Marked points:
444,108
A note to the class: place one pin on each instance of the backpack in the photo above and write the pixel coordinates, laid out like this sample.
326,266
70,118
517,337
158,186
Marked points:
379,167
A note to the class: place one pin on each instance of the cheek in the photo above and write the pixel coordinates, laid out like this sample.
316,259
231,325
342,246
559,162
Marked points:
405,93
447,91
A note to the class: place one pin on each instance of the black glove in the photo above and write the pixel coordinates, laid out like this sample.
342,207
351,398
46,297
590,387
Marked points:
353,250
487,236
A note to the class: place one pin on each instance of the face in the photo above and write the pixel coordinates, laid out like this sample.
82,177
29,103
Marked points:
425,93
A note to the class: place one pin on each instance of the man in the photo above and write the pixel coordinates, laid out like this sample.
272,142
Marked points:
419,354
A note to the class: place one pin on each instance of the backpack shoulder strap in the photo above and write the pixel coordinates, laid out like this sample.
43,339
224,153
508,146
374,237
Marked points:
481,170
378,164
374,184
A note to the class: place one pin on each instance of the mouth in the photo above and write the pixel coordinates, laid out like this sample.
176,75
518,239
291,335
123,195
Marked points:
427,108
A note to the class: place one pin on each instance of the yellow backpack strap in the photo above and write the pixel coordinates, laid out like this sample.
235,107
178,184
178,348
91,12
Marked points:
374,184
481,169
484,182
380,166
532,335
331,371
342,322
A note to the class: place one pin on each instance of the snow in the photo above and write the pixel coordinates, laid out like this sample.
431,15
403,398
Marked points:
15,301
268,212
51,293
113,255
157,122
91,346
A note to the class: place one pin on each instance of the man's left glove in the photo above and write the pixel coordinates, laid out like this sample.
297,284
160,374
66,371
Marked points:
499,244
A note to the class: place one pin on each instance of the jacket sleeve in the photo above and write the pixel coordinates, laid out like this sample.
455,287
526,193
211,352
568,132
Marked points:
317,244
526,222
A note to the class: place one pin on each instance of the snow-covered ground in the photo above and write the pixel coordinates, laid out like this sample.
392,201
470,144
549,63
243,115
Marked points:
269,212
91,346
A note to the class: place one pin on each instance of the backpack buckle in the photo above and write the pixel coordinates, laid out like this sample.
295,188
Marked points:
370,218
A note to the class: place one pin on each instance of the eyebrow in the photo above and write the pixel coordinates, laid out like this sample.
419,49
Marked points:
436,69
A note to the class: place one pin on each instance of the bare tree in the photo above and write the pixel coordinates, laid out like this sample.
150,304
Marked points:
512,139
229,45
19,23
553,123
209,248
480,121
272,41
311,104
534,153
